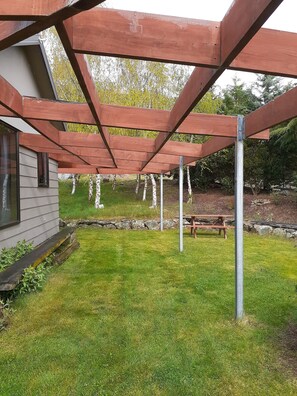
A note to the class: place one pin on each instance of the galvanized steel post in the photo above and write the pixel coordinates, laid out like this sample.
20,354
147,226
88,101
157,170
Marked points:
239,312
181,185
161,202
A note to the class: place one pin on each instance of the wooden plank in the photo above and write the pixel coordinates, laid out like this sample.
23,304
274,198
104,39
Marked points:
82,171
269,52
132,143
92,161
171,159
15,31
31,140
74,139
151,37
54,110
128,117
179,40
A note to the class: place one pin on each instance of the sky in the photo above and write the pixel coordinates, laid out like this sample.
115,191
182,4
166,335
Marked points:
284,18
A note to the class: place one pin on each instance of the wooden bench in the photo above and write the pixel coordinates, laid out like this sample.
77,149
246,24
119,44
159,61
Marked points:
218,224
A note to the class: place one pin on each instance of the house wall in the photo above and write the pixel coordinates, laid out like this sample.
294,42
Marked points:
39,206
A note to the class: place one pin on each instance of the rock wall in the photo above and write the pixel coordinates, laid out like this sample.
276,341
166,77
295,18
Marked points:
266,228
123,224
262,228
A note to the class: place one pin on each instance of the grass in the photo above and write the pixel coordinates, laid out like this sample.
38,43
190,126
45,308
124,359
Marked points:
120,203
128,315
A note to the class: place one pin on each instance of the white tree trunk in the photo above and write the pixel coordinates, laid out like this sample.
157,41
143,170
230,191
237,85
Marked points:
91,187
190,192
154,192
73,184
114,182
98,193
137,184
144,188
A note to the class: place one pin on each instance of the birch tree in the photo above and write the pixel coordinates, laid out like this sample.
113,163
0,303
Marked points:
91,187
137,184
73,184
190,191
154,192
98,205
145,187
114,182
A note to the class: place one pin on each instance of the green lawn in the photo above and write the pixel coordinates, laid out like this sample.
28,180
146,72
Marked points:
128,315
118,204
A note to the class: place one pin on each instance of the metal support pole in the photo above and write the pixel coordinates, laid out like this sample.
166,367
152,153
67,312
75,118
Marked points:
239,313
161,202
181,185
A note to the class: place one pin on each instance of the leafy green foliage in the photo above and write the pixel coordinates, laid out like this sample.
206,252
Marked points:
32,280
9,256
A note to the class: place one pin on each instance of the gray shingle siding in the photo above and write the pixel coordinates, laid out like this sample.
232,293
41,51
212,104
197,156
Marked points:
39,206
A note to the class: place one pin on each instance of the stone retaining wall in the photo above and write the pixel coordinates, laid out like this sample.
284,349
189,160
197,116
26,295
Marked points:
124,224
262,228
266,228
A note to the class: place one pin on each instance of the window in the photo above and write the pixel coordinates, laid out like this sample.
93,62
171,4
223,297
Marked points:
43,170
9,177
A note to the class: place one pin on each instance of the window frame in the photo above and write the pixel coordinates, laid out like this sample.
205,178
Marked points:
17,155
40,160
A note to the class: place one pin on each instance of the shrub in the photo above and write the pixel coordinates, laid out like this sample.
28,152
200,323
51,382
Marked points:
32,280
8,256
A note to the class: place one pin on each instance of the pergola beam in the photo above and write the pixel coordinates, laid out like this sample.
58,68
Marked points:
128,118
82,145
144,36
179,40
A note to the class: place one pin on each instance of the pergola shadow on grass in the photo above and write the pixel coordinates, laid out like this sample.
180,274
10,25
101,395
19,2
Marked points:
236,42
128,315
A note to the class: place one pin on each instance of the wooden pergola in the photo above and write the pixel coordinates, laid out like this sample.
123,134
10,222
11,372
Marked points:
237,42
